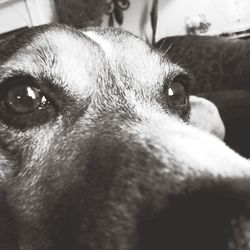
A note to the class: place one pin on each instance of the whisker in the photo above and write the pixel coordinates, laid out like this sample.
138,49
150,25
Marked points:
162,44
169,47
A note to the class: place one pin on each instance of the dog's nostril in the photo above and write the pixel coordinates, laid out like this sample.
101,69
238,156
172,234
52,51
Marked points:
203,220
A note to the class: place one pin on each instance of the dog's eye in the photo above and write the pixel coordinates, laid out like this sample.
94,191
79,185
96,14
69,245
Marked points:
177,94
23,98
23,103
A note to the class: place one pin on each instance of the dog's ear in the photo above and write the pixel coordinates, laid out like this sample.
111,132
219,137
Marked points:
205,115
11,42
5,49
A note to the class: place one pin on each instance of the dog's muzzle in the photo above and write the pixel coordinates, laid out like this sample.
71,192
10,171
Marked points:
133,188
135,197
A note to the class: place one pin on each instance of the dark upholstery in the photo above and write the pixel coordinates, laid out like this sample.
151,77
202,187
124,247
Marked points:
217,63
234,107
221,67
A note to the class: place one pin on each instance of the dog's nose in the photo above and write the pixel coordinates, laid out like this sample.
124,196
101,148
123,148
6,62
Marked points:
208,207
172,193
207,214
208,218
149,193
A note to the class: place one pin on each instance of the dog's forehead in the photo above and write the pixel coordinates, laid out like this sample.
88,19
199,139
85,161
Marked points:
76,60
133,58
127,53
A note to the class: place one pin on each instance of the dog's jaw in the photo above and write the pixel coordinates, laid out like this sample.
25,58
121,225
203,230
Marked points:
116,167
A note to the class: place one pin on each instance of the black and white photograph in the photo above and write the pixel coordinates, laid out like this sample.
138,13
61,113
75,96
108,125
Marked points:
124,124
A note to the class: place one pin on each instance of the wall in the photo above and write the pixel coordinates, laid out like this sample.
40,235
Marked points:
224,16
16,14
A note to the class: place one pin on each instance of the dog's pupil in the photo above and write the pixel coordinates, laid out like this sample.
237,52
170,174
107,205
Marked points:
177,95
24,98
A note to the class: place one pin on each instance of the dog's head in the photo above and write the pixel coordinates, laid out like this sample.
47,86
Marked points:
97,153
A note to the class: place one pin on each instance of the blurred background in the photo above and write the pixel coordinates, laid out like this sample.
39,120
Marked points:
175,17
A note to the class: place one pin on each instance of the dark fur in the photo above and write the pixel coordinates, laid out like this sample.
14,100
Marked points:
98,183
221,69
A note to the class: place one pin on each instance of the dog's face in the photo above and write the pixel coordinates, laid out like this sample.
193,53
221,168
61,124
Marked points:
97,153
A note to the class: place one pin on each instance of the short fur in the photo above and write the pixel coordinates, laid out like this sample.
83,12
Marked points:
110,165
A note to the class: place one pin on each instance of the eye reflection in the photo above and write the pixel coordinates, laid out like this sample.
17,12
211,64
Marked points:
23,98
177,95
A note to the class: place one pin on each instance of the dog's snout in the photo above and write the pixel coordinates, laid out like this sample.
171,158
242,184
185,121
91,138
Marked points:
143,197
140,185
152,184
204,219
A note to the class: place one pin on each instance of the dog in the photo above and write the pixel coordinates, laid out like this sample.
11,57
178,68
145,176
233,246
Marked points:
97,151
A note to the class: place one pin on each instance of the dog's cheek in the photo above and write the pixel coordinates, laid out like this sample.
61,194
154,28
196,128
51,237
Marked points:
8,228
24,151
8,225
